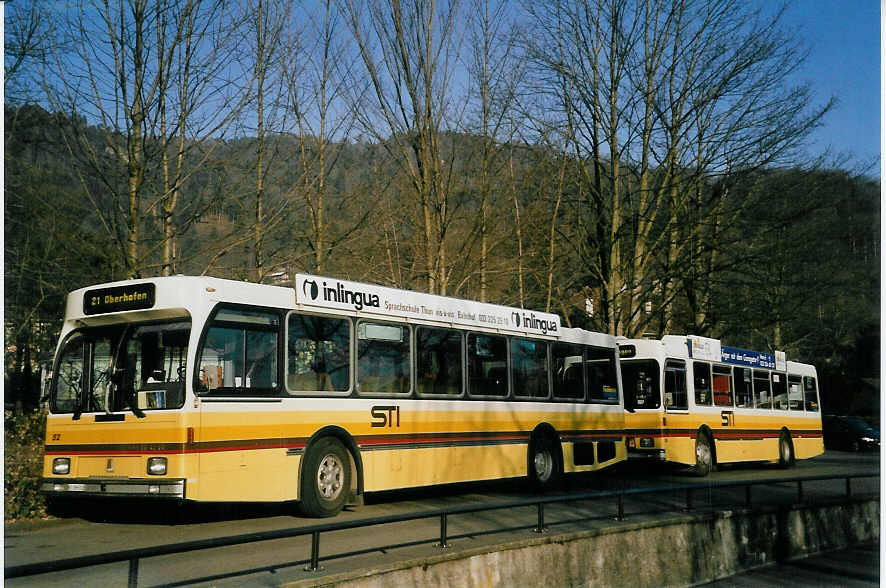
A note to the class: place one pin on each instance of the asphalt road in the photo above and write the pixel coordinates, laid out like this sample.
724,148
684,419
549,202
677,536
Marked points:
103,529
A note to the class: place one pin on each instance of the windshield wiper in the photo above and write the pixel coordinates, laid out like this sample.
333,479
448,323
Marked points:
78,406
119,376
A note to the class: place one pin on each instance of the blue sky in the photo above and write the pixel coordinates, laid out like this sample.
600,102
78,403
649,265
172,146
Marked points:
844,61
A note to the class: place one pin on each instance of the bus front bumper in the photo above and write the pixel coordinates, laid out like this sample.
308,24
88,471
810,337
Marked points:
166,488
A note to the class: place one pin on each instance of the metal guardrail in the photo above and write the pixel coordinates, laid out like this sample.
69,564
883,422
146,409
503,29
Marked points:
134,556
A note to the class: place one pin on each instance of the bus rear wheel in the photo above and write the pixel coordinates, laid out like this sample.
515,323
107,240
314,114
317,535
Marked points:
785,450
544,464
326,478
704,455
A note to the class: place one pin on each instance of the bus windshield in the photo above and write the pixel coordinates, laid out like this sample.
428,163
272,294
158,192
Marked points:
641,383
128,366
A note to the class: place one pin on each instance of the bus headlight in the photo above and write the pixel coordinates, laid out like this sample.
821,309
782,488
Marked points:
156,466
61,466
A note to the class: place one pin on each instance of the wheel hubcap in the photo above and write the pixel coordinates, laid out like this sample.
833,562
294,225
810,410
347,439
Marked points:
703,453
330,477
544,465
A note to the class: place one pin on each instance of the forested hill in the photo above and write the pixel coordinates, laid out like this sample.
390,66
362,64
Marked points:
763,258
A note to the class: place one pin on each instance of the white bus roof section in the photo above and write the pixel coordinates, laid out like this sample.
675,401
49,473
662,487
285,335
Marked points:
176,296
391,303
705,348
801,369
582,337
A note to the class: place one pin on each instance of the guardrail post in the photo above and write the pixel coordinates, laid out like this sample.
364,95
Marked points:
314,566
799,490
620,516
747,495
688,499
133,572
848,486
443,544
540,525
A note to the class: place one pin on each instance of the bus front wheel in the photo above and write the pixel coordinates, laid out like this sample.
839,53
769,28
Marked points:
704,455
326,478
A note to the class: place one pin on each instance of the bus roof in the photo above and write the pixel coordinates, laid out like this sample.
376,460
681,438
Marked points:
179,296
166,297
709,349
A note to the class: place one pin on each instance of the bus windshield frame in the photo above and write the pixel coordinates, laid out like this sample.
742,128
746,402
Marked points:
126,366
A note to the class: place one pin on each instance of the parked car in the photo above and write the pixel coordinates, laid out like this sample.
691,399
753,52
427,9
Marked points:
850,434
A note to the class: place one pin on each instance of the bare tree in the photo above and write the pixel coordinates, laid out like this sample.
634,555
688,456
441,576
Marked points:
204,104
115,64
27,47
410,51
268,20
658,100
496,73
317,70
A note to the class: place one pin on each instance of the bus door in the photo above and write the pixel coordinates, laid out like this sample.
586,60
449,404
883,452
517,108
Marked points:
744,422
678,446
241,407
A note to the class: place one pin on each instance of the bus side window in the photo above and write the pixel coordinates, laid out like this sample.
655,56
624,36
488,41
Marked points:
569,380
239,353
795,392
318,354
779,391
529,368
744,396
383,358
811,392
762,391
438,367
601,374
487,365
722,385
702,380
675,385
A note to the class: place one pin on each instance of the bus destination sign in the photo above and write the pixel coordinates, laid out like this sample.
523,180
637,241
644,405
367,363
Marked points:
119,298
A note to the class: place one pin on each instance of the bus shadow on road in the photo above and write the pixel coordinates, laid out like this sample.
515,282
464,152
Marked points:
165,512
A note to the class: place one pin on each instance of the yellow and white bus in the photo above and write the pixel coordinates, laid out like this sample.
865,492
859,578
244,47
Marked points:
691,400
204,389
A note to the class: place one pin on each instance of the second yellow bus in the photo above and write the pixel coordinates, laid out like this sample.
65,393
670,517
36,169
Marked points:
690,400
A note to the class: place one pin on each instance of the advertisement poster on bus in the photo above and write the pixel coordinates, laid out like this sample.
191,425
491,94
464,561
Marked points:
755,359
374,300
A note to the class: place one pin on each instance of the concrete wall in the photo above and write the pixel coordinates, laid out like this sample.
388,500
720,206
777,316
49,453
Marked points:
675,551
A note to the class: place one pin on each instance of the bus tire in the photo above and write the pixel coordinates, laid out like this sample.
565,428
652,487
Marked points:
544,463
704,455
785,450
326,478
